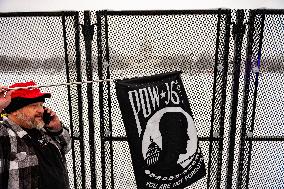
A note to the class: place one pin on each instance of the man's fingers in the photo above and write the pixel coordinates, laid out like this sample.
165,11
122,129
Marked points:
3,91
52,113
8,94
5,94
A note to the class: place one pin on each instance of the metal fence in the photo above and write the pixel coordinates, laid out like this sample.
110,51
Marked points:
232,69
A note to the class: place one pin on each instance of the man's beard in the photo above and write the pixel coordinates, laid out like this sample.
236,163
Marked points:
31,122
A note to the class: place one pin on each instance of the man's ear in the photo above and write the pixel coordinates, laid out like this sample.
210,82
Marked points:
14,113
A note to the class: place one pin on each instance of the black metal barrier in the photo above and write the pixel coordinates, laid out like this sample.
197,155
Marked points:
232,69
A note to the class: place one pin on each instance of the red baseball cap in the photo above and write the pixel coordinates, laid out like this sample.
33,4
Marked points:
27,93
24,97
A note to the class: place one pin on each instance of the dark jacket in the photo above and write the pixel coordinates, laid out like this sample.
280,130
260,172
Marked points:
18,162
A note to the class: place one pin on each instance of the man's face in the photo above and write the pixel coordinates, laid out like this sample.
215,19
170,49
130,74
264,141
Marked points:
30,116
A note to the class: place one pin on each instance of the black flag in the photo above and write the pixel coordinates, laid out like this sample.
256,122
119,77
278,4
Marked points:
161,132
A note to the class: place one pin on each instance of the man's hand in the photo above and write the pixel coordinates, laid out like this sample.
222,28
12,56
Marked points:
5,97
55,124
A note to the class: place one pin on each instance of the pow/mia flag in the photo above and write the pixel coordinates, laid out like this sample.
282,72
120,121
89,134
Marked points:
161,132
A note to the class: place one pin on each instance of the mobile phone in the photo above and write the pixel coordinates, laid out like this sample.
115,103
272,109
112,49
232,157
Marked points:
46,117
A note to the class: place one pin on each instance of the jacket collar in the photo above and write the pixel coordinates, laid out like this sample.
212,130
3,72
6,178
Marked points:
14,127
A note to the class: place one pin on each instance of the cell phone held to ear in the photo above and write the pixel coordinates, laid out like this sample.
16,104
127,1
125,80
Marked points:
46,117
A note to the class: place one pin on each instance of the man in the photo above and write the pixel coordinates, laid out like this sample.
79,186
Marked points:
173,129
31,151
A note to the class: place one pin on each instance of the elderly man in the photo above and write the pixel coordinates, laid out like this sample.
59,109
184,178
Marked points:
32,152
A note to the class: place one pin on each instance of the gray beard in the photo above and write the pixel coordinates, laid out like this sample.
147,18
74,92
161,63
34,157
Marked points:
32,123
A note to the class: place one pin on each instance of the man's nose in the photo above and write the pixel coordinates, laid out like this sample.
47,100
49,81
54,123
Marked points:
40,110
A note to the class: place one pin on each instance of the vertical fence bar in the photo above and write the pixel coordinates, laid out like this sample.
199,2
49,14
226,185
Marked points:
245,97
238,32
255,96
253,50
69,97
109,98
101,98
88,33
219,99
223,97
209,180
80,104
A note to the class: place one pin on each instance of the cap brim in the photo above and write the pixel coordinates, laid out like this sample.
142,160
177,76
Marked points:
46,95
